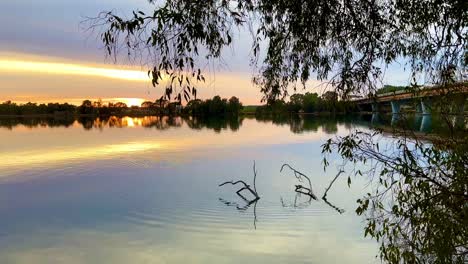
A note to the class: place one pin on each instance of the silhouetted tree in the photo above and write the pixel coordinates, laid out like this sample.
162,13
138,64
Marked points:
234,105
216,106
86,108
120,105
296,102
147,104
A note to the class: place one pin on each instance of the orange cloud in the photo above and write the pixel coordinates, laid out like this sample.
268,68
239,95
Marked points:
14,65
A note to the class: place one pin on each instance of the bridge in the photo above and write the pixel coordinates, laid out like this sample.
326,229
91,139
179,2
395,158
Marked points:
421,99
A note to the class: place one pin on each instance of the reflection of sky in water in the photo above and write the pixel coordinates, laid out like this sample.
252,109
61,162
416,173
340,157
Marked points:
136,195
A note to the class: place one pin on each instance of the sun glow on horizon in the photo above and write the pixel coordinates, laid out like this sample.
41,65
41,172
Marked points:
36,78
129,101
15,65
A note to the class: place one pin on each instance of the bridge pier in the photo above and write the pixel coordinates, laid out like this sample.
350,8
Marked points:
418,106
396,106
426,106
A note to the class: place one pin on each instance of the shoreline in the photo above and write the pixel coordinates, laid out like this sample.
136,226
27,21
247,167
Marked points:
75,115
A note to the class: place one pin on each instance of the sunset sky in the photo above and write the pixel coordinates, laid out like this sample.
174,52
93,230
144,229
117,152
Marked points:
46,55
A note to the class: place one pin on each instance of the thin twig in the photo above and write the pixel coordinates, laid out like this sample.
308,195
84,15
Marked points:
255,177
234,183
331,183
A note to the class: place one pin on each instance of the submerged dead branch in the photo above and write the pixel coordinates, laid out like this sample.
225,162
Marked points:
249,202
324,197
308,191
246,187
299,176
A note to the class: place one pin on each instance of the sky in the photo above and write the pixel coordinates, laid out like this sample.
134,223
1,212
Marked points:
47,56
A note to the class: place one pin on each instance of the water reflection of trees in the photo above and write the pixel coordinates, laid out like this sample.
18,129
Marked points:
11,123
296,123
217,124
157,122
308,123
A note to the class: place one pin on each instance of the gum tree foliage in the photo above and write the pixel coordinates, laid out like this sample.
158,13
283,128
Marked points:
345,42
419,209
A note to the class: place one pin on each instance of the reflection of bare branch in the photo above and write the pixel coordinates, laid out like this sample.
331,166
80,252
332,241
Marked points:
296,204
300,188
324,197
234,204
339,210
255,214
244,208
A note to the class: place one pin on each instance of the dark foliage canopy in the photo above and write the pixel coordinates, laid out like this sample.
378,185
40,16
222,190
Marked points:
345,43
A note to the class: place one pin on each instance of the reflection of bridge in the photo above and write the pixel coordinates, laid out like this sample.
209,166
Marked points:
421,123
424,126
421,99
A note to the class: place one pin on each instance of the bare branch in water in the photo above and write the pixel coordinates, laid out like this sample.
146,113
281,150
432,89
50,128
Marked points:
255,176
233,183
246,187
304,190
248,202
299,188
324,197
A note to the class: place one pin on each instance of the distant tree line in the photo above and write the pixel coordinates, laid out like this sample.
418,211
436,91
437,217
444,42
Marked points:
100,109
10,108
216,106
390,89
307,103
212,107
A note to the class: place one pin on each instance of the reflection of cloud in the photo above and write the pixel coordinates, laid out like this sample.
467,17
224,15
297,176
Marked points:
44,156
51,148
137,244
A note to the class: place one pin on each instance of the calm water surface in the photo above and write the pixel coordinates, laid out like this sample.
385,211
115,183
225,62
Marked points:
145,190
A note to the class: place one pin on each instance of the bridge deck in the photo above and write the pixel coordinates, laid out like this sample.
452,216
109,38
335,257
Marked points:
420,93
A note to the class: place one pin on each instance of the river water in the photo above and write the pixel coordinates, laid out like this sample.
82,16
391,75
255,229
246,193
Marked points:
145,190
